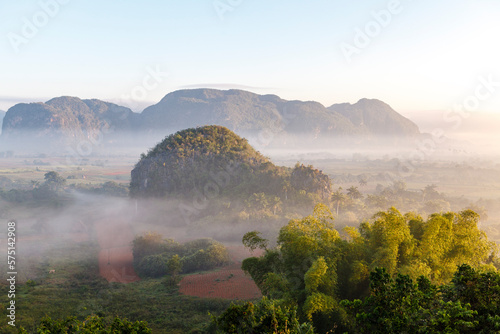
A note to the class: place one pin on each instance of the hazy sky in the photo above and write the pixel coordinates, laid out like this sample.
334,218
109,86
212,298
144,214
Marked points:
414,55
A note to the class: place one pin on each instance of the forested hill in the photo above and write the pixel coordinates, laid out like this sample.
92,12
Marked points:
212,161
70,119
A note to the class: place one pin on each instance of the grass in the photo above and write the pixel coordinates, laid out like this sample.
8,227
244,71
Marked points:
76,289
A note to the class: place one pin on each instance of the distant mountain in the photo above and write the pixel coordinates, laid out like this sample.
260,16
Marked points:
63,120
2,115
243,112
69,120
376,117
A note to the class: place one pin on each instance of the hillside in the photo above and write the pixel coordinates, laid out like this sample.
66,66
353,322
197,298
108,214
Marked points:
211,161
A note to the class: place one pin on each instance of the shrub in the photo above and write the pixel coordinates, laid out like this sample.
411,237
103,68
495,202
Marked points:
152,255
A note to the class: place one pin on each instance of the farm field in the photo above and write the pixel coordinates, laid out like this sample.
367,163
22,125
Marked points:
228,283
69,276
96,170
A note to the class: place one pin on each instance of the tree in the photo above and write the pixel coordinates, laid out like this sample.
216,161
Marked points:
174,267
93,324
354,193
389,239
314,268
267,316
252,241
402,306
480,290
338,197
303,267
54,181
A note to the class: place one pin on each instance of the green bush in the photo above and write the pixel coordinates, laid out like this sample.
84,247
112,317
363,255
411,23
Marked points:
93,324
268,316
153,266
213,256
152,254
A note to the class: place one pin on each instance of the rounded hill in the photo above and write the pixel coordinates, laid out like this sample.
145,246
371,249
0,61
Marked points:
210,157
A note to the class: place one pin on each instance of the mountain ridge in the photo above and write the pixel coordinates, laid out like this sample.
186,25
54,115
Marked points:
68,119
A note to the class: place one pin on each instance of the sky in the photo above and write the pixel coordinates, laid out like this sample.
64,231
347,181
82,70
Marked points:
417,56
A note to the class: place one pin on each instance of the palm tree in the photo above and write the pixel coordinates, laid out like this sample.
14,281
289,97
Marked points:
354,193
338,197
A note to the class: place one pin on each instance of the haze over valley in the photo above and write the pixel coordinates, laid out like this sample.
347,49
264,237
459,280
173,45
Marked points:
250,167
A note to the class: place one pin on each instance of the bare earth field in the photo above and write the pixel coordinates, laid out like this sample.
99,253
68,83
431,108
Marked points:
229,283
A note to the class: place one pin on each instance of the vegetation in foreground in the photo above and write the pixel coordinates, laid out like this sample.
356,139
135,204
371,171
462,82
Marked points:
92,324
77,290
469,303
315,280
314,268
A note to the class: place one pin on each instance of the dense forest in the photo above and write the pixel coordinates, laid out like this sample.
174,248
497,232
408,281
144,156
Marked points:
363,279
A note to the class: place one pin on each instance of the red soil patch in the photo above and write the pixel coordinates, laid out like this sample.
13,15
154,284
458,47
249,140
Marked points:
115,257
229,282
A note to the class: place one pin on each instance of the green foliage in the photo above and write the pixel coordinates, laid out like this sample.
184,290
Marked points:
109,188
174,265
402,306
156,257
212,161
79,291
54,181
407,244
314,268
153,265
150,243
252,241
190,159
303,269
259,267
480,290
215,255
264,317
311,180
93,324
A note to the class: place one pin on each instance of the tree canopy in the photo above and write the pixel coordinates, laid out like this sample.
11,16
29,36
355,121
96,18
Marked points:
314,266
